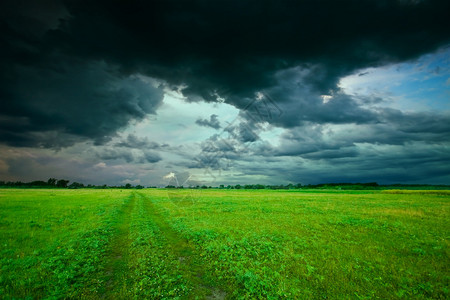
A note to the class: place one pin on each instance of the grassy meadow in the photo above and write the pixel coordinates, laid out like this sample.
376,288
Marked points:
224,244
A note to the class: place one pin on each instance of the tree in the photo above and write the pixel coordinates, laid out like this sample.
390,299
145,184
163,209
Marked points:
76,185
51,181
62,183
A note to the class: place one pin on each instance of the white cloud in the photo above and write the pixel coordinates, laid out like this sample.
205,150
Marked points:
100,165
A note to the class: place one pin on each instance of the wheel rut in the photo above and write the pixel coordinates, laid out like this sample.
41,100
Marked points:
191,266
116,271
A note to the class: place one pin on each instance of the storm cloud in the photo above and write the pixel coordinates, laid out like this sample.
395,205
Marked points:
213,122
79,71
133,141
235,47
76,73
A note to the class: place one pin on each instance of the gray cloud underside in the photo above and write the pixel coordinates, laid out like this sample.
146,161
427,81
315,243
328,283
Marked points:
135,142
132,149
418,162
129,156
213,122
401,147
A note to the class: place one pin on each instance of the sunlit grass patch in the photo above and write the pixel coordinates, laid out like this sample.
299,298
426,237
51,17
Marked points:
418,192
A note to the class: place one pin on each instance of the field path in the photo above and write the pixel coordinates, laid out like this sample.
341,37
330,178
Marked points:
191,266
116,269
144,241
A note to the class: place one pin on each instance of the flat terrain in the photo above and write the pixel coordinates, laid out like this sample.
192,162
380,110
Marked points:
220,244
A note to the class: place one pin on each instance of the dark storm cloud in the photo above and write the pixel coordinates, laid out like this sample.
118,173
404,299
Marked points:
234,47
314,141
133,141
127,155
418,163
213,122
71,66
81,99
241,132
114,153
394,146
301,106
151,157
419,122
332,154
56,99
33,17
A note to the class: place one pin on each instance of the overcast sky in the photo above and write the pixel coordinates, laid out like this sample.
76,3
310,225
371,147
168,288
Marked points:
225,92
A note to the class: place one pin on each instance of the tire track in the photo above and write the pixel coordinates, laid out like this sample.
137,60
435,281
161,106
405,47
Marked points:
116,272
191,266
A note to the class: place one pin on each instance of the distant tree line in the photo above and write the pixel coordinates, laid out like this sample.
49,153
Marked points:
324,186
289,186
63,183
50,183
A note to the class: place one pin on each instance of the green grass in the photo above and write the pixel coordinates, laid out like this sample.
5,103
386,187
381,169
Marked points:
215,244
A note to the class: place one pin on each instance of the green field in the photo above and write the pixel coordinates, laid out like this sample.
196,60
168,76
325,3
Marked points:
224,244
